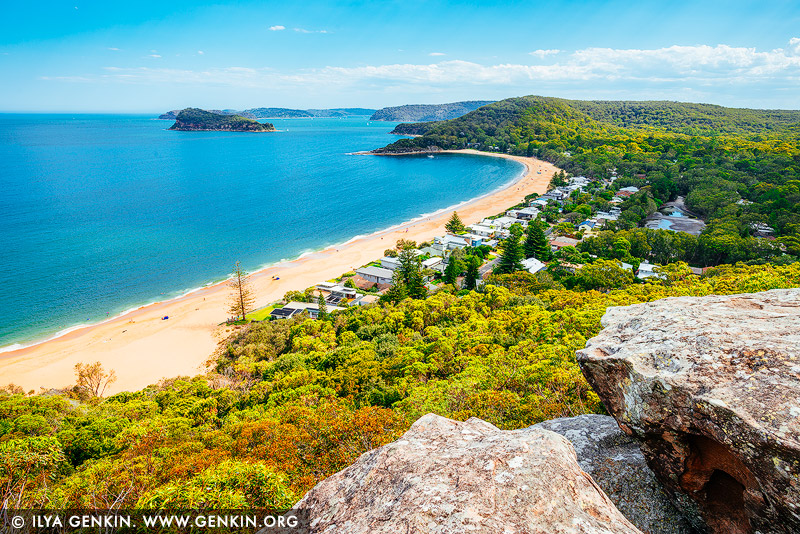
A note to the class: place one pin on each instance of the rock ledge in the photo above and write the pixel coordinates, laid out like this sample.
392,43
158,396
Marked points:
711,388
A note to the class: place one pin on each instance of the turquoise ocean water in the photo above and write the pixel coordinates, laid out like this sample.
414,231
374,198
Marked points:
103,213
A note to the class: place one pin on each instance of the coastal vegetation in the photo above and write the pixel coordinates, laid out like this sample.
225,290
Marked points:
290,402
738,169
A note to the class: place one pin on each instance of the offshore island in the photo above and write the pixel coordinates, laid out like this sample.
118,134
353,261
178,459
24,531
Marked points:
198,120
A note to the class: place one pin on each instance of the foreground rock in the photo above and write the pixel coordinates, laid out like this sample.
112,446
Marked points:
711,387
615,462
444,476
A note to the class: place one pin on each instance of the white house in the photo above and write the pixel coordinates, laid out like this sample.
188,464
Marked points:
762,230
532,265
524,214
337,290
449,242
473,240
436,263
555,194
500,223
481,230
376,275
587,226
646,270
326,286
389,262
607,215
294,308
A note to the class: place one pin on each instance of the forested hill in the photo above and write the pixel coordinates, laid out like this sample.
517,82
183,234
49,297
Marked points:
677,117
737,168
427,112
193,119
689,118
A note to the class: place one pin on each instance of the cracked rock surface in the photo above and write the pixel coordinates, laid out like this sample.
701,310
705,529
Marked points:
449,477
615,462
710,386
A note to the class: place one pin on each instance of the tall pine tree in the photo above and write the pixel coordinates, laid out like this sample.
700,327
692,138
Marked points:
323,308
409,274
536,245
511,257
473,273
454,225
241,299
452,270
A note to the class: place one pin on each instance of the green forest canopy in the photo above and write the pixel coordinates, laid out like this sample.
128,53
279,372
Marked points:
736,167
291,402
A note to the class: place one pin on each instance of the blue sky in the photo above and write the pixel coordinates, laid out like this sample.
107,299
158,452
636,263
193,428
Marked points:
151,56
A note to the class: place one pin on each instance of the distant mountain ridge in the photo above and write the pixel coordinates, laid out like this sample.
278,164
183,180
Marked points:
289,113
281,113
428,112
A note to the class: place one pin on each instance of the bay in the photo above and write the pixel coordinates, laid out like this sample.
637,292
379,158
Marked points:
103,213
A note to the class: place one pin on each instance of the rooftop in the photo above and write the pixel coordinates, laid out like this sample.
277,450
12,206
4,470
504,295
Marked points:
374,271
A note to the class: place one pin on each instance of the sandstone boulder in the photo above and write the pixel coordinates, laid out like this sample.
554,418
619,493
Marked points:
445,476
613,460
711,388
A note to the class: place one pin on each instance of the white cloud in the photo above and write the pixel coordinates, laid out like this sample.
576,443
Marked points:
544,53
437,54
277,28
113,48
683,71
200,52
303,30
154,55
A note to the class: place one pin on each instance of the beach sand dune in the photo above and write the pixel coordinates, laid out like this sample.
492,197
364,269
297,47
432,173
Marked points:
142,348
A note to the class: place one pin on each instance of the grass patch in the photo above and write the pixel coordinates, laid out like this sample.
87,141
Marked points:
262,314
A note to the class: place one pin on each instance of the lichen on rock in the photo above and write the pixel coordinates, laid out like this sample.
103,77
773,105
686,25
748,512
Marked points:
449,477
710,386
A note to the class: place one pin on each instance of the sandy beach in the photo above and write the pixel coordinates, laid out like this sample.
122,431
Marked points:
142,348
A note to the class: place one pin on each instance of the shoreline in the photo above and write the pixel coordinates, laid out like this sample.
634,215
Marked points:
142,348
